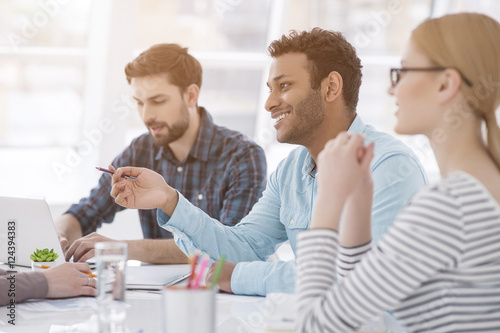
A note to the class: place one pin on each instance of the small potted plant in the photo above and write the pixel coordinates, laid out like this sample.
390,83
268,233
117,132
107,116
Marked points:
41,259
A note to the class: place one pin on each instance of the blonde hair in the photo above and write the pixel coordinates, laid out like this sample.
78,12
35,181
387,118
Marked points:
469,42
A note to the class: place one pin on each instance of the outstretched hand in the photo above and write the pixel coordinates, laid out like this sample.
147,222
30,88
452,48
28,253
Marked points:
148,191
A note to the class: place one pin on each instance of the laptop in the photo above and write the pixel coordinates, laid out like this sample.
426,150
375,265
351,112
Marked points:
26,225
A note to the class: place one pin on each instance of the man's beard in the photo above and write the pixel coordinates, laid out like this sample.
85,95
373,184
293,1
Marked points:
308,115
174,131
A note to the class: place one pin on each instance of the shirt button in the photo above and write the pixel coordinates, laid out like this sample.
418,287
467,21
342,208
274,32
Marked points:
200,196
179,169
169,229
181,235
291,221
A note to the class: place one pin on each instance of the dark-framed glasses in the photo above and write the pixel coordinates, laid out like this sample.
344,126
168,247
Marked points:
396,73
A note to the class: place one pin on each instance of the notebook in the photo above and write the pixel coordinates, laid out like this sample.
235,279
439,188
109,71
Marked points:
154,277
26,225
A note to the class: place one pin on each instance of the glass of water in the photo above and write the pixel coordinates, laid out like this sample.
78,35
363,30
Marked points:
111,258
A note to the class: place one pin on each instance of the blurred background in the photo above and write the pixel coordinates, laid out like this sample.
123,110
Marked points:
65,105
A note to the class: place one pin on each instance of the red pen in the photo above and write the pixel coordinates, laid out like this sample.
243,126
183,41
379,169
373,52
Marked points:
112,172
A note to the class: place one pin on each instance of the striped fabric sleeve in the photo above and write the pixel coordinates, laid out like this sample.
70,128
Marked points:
349,257
426,238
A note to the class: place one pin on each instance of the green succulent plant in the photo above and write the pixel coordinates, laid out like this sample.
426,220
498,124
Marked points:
44,255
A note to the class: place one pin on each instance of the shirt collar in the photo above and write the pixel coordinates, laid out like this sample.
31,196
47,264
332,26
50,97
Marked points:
357,126
201,146
309,168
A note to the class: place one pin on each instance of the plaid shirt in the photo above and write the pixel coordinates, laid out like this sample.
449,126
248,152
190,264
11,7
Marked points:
223,175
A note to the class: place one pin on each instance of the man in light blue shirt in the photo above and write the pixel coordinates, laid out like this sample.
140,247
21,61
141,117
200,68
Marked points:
314,82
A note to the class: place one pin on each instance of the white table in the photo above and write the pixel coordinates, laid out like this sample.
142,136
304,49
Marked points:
233,314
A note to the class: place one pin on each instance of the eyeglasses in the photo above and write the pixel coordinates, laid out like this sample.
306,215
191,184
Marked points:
396,73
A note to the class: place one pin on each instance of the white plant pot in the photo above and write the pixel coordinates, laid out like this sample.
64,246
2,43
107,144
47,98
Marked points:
41,265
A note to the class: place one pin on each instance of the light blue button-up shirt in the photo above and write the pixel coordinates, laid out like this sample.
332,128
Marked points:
285,209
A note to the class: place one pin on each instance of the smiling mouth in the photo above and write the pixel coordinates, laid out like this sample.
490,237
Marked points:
281,117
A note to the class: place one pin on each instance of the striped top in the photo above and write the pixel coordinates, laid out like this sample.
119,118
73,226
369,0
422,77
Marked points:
438,267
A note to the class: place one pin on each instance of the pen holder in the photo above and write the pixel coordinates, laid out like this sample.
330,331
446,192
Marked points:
189,310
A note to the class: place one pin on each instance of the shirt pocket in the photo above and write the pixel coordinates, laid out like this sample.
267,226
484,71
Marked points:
209,200
293,218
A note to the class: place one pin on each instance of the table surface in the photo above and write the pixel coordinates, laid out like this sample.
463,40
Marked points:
144,314
234,313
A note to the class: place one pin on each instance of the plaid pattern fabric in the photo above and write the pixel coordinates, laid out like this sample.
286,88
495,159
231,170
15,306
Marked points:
223,175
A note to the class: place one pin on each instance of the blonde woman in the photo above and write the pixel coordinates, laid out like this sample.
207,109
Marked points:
438,268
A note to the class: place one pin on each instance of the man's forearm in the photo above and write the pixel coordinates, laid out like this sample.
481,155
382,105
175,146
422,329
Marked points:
68,226
156,251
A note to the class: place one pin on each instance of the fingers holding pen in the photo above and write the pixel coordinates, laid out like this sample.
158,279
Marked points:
118,183
120,193
117,176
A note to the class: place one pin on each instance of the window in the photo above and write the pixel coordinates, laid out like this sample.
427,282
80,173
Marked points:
65,105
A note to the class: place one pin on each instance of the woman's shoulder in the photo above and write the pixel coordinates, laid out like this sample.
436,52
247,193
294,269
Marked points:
456,189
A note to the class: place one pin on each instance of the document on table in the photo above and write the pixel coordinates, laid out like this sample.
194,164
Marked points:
60,311
154,277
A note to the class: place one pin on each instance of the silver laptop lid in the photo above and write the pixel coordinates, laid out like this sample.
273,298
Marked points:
26,225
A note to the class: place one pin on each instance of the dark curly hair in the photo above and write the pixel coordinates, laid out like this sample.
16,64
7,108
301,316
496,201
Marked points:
327,51
171,59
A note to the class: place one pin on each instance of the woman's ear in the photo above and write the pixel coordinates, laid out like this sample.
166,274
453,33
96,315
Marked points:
449,85
332,86
191,95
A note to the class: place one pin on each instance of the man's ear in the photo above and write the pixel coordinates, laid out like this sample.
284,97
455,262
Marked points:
191,95
332,86
449,85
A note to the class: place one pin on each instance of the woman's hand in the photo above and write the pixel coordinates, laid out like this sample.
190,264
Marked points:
70,280
343,173
344,166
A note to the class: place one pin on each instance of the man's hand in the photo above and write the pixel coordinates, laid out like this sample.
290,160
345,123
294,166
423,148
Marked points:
83,249
148,191
224,277
64,243
68,230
